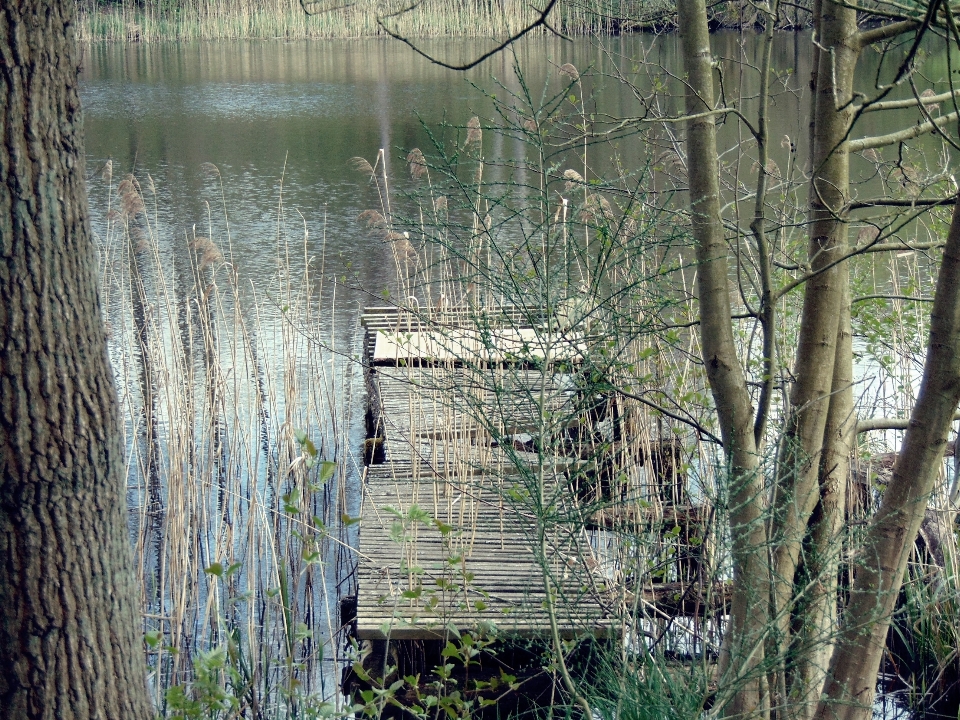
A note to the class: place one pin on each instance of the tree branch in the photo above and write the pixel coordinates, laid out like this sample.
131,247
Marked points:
900,136
887,424
911,102
541,20
674,416
907,298
886,32
889,202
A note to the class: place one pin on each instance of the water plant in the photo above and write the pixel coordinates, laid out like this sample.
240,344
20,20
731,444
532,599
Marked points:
237,430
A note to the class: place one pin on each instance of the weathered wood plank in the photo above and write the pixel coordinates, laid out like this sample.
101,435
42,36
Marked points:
471,553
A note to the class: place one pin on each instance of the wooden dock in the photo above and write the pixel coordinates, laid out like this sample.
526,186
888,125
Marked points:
471,522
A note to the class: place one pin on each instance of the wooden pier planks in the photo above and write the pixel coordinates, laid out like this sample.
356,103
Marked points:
446,536
464,336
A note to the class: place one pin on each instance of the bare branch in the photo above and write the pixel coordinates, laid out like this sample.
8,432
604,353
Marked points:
887,424
901,247
900,136
905,298
688,420
890,202
541,20
886,32
912,102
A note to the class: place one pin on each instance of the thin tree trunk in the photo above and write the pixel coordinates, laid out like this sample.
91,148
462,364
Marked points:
70,633
727,381
849,691
816,617
797,488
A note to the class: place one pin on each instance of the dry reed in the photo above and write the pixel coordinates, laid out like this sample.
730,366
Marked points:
236,427
194,20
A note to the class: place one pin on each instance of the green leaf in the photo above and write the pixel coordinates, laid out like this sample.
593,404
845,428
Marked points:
327,468
450,651
302,632
214,569
443,527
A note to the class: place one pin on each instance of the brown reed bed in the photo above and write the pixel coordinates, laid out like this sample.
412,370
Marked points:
288,19
236,426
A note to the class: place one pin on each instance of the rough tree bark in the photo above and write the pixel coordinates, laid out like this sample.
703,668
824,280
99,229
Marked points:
69,635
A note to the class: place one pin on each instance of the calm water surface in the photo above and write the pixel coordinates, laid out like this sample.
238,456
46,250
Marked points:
274,115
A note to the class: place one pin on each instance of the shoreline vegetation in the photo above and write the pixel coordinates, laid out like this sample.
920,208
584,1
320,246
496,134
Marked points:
186,20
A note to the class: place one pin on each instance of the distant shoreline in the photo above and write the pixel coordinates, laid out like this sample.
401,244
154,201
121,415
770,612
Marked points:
190,20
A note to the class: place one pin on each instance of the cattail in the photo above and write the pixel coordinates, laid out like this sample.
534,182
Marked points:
773,170
211,256
418,164
140,243
928,93
107,173
868,234
570,71
440,204
200,244
596,209
126,187
405,250
131,203
373,219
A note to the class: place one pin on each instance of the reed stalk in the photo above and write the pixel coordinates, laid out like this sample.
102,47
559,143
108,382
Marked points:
237,419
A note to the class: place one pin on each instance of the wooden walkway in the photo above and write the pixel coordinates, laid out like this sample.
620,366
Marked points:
465,521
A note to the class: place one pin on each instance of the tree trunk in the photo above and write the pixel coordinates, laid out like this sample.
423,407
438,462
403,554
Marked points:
70,635
814,627
849,691
727,382
797,488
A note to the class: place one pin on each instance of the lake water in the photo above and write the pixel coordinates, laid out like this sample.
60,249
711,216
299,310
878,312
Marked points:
250,144
294,114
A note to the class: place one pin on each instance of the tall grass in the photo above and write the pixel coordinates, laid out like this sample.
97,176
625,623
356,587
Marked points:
156,20
237,424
